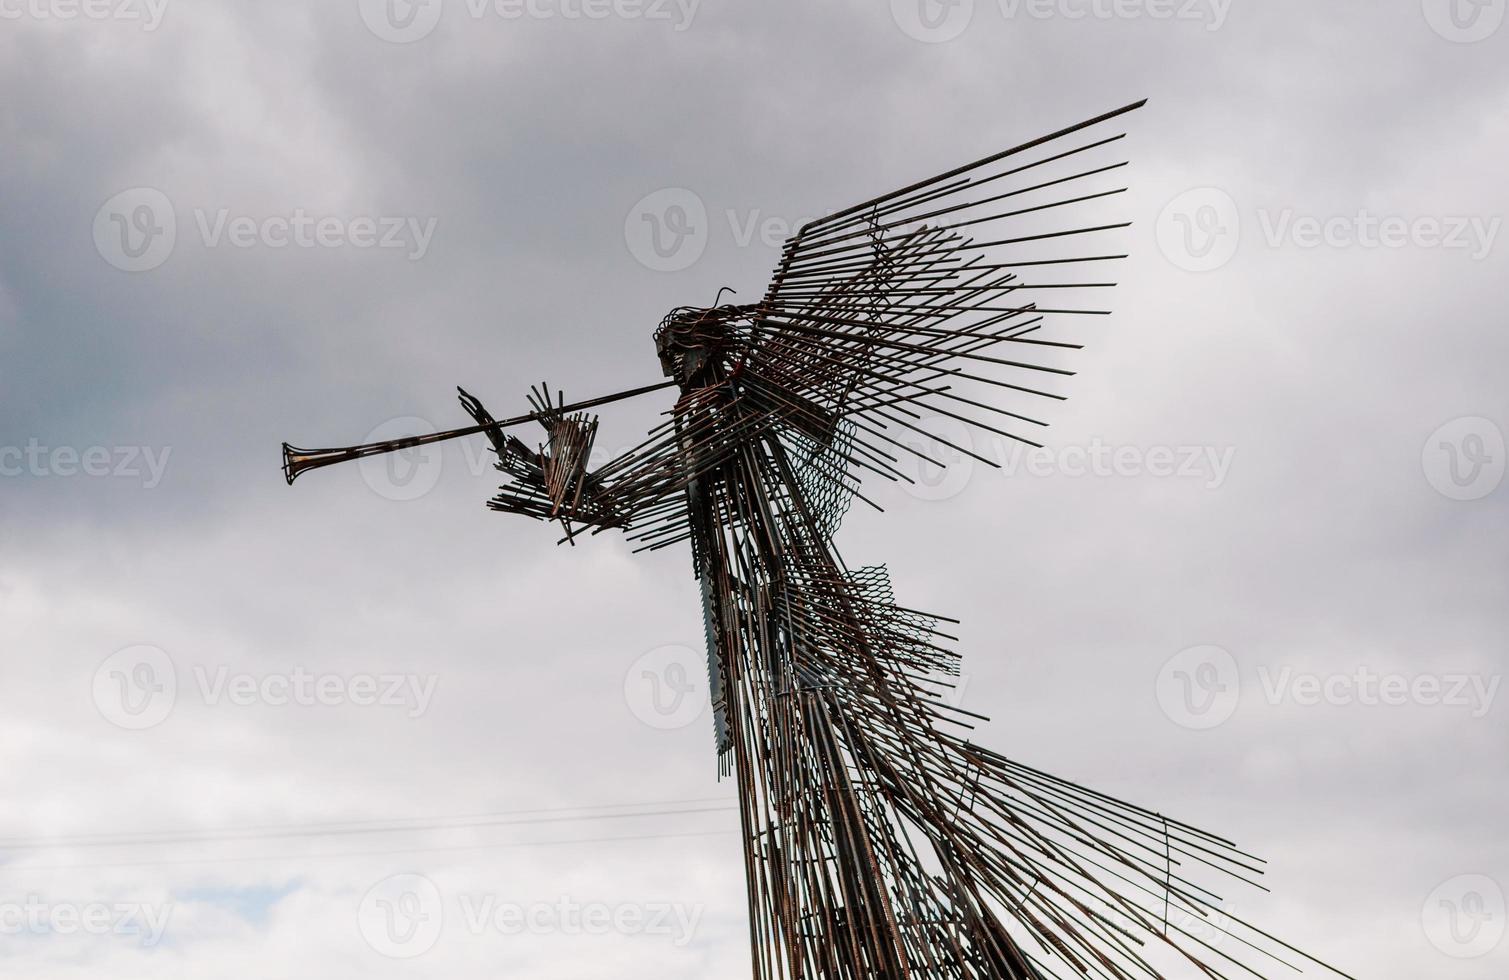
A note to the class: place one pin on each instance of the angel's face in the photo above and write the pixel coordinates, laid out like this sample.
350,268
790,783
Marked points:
687,341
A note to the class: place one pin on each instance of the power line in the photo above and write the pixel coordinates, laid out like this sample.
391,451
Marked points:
306,829
375,853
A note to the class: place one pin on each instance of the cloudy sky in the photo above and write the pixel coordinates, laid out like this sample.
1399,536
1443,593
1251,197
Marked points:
363,727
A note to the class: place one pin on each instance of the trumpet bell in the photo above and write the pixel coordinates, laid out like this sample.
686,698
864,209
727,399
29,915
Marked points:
297,461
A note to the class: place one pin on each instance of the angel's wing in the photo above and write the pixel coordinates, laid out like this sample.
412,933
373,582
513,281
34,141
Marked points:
913,326
927,321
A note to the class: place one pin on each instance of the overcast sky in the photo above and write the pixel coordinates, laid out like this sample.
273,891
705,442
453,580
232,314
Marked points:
1257,582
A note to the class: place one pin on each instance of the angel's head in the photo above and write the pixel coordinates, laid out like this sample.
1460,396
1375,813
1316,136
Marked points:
692,342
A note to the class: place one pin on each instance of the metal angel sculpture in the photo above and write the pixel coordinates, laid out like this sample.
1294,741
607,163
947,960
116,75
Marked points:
879,840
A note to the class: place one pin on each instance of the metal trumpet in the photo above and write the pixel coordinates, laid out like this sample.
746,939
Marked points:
297,461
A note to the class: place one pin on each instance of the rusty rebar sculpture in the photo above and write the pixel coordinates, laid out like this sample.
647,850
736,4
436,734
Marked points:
879,840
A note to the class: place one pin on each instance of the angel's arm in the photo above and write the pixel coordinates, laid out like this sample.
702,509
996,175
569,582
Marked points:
552,482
